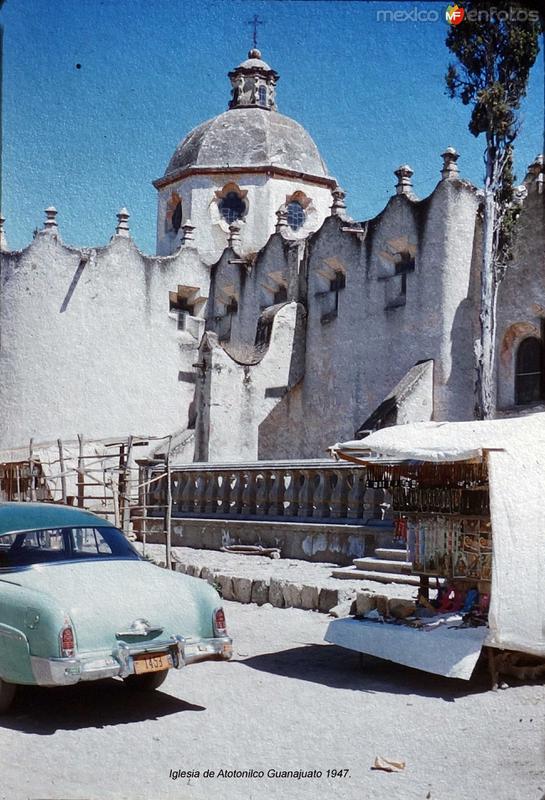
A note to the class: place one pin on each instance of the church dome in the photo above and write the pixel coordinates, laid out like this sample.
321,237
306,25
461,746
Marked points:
248,136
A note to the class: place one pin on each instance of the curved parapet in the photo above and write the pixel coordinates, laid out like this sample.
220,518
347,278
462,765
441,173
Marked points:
233,398
97,340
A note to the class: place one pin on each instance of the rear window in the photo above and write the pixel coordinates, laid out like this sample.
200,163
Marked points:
62,544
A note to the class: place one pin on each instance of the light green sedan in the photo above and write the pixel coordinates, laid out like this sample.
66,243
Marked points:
78,603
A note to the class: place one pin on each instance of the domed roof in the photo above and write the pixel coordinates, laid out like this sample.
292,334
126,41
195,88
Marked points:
248,137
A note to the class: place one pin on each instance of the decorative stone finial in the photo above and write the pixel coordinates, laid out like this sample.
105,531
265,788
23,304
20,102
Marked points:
281,220
535,173
3,241
338,209
450,168
50,223
404,174
254,53
234,235
187,232
122,222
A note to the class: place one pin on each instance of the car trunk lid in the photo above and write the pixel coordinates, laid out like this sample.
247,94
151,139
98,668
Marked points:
113,600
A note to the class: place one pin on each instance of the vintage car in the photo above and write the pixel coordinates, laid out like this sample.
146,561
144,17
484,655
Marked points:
78,603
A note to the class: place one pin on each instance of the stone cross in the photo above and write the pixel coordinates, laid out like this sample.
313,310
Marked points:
255,21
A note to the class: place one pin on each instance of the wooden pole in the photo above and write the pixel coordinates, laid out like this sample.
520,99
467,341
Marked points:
32,485
115,499
63,476
127,489
18,482
80,471
168,508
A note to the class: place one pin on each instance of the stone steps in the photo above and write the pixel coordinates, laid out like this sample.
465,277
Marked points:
383,565
372,575
391,554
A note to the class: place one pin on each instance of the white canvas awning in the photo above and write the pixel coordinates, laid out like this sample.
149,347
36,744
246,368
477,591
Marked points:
515,450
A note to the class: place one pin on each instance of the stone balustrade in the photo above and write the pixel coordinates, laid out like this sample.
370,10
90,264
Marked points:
302,491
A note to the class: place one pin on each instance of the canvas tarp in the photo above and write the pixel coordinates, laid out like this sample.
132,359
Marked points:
516,460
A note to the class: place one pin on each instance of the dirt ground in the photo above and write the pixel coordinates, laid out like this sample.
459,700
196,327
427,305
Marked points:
287,702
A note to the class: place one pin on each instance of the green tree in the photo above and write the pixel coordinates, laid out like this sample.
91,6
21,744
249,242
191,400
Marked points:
495,48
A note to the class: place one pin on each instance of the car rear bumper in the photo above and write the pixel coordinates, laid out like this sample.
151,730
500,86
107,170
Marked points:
120,663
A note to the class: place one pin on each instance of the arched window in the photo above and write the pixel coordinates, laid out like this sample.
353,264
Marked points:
296,215
529,378
177,217
263,96
232,207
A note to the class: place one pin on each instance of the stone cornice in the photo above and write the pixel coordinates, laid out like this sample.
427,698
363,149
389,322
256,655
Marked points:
272,172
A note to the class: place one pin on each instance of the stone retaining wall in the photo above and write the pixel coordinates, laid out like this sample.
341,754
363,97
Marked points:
335,544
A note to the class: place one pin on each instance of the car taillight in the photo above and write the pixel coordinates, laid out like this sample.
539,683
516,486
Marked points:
68,645
220,626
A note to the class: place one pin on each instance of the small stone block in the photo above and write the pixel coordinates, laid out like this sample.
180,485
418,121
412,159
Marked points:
365,602
341,609
242,589
207,575
292,595
276,593
382,605
327,600
225,583
260,592
309,597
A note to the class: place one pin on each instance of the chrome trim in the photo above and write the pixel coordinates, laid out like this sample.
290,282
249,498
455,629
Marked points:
120,661
12,633
205,649
140,627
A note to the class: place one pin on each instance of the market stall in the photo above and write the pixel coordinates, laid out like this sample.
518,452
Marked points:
469,499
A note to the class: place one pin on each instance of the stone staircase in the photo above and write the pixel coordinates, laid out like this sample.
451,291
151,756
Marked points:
386,566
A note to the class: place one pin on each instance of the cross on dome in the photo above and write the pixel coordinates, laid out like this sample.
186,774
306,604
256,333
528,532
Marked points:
255,21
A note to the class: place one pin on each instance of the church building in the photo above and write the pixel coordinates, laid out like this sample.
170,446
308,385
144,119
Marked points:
269,324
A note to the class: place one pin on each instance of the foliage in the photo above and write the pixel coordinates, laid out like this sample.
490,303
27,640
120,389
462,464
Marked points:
495,47
495,52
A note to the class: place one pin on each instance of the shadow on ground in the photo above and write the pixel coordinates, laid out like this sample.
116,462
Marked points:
339,668
97,704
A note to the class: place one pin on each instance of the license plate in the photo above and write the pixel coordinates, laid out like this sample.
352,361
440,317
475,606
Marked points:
152,662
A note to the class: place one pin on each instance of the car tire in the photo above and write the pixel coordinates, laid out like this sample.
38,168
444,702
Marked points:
147,682
7,693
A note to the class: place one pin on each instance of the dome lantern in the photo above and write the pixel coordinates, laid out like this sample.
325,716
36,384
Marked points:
253,83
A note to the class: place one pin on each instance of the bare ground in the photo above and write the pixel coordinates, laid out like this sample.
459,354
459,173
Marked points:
287,701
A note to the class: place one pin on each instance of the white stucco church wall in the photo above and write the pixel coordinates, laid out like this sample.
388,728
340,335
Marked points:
270,323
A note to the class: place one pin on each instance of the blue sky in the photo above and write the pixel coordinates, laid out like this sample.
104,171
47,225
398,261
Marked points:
90,140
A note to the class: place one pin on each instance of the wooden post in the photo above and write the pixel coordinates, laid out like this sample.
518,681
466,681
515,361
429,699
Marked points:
32,482
63,475
126,490
81,487
115,500
168,508
18,482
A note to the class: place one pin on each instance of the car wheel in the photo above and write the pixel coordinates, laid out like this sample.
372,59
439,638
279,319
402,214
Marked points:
7,693
147,682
